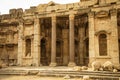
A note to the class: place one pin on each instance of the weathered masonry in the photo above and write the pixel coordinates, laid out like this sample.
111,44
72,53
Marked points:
61,34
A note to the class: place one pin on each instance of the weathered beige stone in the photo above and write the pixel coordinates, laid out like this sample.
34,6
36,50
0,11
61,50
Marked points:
77,68
86,78
108,66
62,34
96,65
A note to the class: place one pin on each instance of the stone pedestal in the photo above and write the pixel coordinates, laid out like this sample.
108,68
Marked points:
36,56
53,43
71,41
20,44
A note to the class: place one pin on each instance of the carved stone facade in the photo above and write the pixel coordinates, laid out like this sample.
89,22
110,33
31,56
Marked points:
61,34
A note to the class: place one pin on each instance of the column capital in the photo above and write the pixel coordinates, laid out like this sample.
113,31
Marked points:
113,12
53,17
21,22
36,20
91,14
71,16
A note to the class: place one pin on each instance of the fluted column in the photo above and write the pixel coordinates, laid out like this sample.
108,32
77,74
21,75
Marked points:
36,56
20,43
53,43
71,41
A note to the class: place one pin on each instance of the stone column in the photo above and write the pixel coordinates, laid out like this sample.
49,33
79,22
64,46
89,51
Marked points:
20,43
91,37
114,37
71,41
36,57
53,43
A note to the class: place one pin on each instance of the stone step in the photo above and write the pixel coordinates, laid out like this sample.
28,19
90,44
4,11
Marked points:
79,74
60,73
13,72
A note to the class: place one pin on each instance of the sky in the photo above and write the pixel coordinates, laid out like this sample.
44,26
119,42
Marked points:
5,5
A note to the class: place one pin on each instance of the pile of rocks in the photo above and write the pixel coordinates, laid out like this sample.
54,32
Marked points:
107,66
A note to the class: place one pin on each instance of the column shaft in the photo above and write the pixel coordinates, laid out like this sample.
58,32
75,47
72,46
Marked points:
53,45
20,44
114,37
71,41
36,59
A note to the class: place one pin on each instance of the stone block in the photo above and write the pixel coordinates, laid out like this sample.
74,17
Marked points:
96,65
108,66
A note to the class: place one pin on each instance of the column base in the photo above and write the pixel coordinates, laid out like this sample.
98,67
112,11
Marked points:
71,64
52,64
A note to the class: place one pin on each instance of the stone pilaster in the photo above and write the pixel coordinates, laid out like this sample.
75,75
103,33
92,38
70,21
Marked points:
20,43
114,35
91,37
71,41
53,43
36,57
81,44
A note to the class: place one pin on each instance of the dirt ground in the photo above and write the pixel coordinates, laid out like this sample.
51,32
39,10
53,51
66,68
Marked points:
15,77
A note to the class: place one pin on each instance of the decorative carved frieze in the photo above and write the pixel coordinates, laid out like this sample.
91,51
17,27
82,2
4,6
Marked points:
28,37
28,21
102,14
102,31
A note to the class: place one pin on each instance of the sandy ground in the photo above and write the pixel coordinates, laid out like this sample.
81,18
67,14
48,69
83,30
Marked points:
15,77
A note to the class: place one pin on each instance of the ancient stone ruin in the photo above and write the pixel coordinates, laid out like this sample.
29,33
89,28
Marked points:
53,34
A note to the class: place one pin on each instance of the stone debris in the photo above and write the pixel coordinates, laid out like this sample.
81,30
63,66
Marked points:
86,78
77,68
117,67
66,77
115,70
96,65
84,68
101,69
108,66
